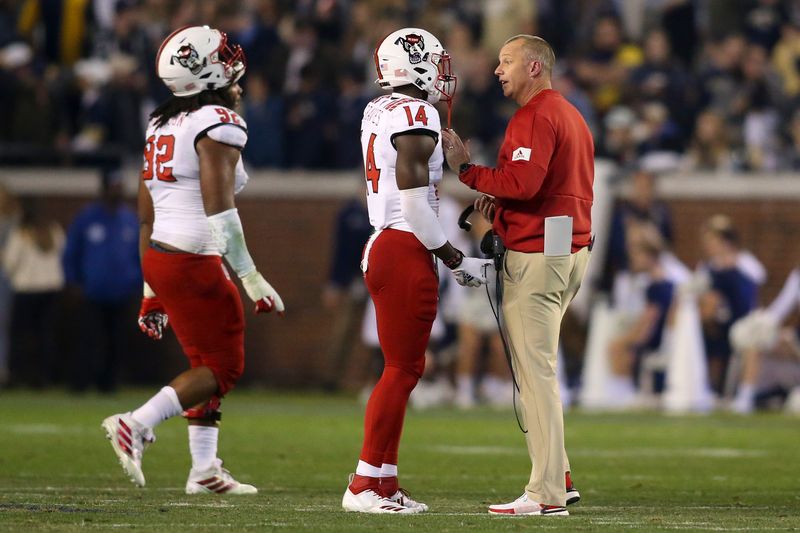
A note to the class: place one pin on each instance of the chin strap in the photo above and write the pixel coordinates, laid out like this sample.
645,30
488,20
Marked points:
449,111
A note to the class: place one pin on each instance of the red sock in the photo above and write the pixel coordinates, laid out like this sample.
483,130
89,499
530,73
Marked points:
389,485
386,410
362,483
568,480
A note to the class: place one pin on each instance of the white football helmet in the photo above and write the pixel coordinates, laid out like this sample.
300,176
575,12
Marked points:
198,58
413,56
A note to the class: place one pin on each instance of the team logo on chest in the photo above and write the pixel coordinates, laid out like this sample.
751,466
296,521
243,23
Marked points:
414,45
188,57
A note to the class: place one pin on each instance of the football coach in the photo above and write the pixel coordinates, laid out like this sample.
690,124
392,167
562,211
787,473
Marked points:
539,199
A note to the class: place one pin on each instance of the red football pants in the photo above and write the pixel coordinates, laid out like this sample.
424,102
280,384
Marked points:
403,283
204,310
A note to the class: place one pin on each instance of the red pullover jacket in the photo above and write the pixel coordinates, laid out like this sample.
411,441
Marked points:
545,168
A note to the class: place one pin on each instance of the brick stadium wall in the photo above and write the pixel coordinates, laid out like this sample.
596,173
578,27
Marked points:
289,238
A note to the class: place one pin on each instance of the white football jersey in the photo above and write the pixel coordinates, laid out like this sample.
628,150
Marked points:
171,172
385,118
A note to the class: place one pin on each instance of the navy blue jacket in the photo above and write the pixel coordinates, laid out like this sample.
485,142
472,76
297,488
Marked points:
102,253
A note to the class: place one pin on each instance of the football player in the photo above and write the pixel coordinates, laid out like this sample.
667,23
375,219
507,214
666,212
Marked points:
191,170
400,139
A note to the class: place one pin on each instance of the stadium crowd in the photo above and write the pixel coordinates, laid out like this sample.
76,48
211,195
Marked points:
709,85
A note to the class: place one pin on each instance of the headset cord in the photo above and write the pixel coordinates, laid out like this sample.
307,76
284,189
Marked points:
496,312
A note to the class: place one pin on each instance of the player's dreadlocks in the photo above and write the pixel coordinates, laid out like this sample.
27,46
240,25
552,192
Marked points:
185,104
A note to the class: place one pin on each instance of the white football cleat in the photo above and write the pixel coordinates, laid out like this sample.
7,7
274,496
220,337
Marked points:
216,480
369,501
523,506
403,498
573,496
128,439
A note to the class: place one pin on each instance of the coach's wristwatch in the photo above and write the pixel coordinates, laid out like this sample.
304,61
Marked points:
464,167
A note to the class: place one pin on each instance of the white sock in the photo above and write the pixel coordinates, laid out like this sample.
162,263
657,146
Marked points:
465,386
203,446
388,470
366,469
163,405
746,394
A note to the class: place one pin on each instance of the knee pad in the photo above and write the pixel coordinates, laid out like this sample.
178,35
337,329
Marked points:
208,412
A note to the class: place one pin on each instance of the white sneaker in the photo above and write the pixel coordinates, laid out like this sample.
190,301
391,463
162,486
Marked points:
216,480
429,394
128,439
369,501
523,506
403,498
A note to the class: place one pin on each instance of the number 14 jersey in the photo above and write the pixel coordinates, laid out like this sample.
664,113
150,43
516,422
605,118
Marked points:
385,118
171,172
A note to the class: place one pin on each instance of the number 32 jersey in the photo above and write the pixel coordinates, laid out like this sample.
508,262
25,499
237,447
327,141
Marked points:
171,172
385,118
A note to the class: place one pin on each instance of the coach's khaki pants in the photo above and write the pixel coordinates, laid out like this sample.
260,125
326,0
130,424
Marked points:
536,293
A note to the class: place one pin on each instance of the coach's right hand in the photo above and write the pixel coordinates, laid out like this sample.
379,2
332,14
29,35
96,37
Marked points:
484,204
262,293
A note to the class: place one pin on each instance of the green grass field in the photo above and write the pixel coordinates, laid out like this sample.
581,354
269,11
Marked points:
635,471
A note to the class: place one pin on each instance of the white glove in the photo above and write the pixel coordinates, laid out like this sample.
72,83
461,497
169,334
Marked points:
473,271
262,293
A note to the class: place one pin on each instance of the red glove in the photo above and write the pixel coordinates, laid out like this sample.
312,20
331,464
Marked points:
153,319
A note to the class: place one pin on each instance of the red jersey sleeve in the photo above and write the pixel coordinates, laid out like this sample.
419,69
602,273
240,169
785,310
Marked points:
523,162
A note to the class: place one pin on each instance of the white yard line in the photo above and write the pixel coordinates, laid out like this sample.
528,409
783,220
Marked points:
712,453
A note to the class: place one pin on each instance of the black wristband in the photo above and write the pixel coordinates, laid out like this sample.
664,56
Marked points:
464,167
454,261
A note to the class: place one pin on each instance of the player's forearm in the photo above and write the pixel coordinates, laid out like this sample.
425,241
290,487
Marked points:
228,234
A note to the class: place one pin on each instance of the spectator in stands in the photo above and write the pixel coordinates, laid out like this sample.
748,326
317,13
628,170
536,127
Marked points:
267,52
31,259
659,133
564,82
732,293
481,109
718,79
263,109
786,59
620,136
26,108
660,78
62,24
710,149
110,118
607,64
763,22
642,337
679,21
791,152
87,115
309,123
757,106
350,104
101,265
